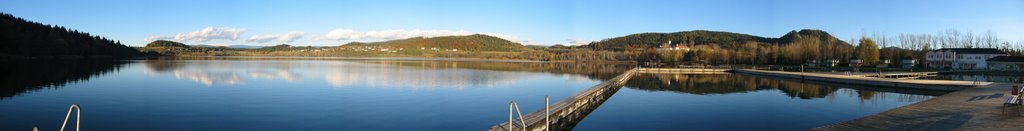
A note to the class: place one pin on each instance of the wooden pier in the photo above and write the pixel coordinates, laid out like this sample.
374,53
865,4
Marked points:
684,70
566,113
904,75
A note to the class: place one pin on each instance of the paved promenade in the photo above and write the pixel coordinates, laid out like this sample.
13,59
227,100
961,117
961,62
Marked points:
978,108
972,105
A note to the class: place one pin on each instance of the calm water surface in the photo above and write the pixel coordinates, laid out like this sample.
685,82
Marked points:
281,94
739,102
408,94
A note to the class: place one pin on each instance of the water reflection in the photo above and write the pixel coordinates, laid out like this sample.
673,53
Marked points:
366,94
709,84
426,74
1009,78
596,71
370,73
27,75
733,101
206,73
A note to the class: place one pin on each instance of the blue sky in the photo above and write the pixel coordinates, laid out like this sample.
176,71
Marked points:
546,22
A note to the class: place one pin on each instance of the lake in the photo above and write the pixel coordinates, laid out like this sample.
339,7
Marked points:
740,102
408,94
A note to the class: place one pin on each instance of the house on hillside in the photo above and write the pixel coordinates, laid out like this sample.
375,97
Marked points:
670,47
961,58
1006,63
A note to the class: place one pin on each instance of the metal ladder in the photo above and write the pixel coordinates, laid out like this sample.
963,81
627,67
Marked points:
547,115
78,118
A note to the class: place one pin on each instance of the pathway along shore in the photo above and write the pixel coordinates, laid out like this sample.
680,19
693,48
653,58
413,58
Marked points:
972,106
978,108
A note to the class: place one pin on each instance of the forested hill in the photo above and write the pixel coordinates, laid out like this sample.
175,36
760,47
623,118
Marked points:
794,36
476,42
165,44
21,38
700,37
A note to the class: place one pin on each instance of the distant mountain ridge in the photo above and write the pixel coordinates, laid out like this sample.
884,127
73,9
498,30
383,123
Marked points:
699,37
475,42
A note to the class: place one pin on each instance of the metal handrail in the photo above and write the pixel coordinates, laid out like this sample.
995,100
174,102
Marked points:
510,122
547,114
78,118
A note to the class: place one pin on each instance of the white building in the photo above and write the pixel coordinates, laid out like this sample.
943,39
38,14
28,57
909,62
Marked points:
908,63
961,58
856,62
1006,63
670,47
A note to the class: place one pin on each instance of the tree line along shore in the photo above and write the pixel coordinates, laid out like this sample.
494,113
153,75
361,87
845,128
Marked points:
23,39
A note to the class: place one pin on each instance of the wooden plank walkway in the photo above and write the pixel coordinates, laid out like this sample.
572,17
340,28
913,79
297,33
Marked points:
977,108
566,113
684,70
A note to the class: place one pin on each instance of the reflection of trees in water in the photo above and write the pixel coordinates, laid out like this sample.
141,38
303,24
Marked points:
227,72
346,73
600,71
26,75
425,75
702,84
979,77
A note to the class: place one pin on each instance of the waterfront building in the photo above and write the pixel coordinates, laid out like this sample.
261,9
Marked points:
884,63
856,62
832,62
908,63
961,58
1006,63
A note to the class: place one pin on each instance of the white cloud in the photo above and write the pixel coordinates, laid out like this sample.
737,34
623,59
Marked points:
289,37
154,38
353,35
578,41
205,34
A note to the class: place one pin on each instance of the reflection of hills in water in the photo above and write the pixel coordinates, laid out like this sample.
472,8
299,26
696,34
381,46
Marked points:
26,75
600,71
424,75
705,84
375,73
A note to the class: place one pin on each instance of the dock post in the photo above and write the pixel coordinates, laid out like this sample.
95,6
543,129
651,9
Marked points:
547,115
510,114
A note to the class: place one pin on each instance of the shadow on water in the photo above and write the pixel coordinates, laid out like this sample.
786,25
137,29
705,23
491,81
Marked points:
23,76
